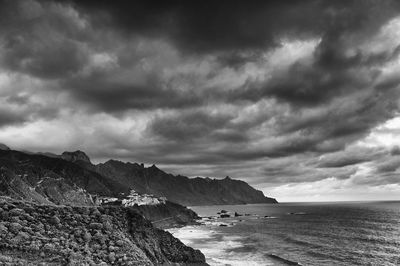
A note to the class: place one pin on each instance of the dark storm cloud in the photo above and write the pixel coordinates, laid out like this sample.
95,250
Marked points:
18,99
395,151
341,162
229,25
322,80
52,60
349,157
390,165
352,116
117,95
198,26
296,171
35,46
189,126
21,111
41,39
10,118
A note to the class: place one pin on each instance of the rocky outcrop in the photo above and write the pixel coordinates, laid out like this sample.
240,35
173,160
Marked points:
33,234
181,189
75,156
167,215
4,147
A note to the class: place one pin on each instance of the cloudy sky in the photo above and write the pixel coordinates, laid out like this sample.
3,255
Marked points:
299,98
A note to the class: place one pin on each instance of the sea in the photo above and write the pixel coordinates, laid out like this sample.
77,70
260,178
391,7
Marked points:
338,233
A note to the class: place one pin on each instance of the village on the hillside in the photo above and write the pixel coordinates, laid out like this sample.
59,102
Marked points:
134,198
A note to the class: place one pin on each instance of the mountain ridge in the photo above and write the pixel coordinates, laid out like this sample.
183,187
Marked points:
72,176
181,189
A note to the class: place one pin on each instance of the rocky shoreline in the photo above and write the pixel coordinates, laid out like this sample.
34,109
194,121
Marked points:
32,234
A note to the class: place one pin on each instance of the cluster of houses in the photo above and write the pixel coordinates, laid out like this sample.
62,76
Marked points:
134,198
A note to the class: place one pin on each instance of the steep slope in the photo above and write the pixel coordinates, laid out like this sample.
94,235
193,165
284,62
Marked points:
51,180
33,234
167,215
4,147
181,189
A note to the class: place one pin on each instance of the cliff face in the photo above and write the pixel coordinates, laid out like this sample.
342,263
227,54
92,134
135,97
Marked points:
34,234
167,215
181,189
4,147
75,156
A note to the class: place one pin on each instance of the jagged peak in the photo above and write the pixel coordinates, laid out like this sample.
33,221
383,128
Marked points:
4,147
113,161
154,168
75,156
118,162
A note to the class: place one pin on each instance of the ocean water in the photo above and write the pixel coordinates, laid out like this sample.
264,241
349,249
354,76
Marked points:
345,233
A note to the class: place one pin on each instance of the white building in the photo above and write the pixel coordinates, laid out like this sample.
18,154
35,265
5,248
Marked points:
145,199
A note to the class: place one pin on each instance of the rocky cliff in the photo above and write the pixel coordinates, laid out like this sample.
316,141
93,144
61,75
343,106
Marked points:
75,156
4,147
181,189
167,215
33,234
48,180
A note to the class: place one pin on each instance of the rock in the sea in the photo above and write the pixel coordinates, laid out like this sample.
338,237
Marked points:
237,214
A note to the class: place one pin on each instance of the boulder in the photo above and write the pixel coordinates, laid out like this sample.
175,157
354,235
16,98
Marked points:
96,226
16,212
14,227
55,220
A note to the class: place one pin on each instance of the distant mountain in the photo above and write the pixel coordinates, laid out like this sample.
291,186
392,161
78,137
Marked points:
181,189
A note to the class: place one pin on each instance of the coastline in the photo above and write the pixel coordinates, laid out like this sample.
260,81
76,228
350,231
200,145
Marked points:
297,234
218,246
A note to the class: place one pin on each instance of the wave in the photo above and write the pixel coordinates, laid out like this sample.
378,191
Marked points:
284,260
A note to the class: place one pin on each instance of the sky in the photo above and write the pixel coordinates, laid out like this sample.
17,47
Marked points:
300,99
